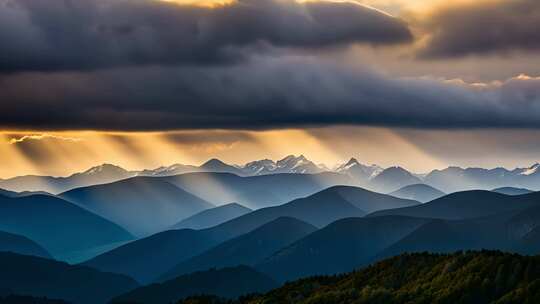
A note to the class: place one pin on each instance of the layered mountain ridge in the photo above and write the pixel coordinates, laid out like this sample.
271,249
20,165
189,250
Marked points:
374,177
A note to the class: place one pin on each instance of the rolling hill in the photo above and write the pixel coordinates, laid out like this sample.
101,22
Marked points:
467,205
142,205
393,179
339,247
10,242
102,174
225,283
212,217
512,191
460,278
39,277
147,258
247,249
57,225
255,192
418,192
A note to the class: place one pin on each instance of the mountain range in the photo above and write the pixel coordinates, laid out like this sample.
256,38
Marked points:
219,230
231,282
150,257
39,277
373,177
418,192
212,217
57,225
141,205
248,249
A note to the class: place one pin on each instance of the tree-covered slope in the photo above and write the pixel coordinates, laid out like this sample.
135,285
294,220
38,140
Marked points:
487,277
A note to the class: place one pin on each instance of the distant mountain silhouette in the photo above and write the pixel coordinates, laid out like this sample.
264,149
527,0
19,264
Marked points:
441,236
147,258
418,192
105,173
365,200
466,205
451,179
509,231
393,179
8,193
38,277
142,205
319,209
212,217
512,191
340,247
455,179
257,191
225,283
217,166
10,242
460,278
22,194
56,224
175,169
150,257
247,249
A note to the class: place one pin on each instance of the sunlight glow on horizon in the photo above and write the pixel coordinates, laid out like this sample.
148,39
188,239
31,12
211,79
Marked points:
57,154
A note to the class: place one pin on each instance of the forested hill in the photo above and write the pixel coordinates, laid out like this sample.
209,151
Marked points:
463,278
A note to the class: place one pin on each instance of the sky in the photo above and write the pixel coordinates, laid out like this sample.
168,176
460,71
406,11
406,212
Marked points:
144,83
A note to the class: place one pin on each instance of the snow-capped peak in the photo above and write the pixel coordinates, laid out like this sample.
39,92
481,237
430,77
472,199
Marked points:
531,170
351,163
103,168
355,169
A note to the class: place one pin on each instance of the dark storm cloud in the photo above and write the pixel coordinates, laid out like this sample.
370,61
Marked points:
90,34
269,93
38,148
484,27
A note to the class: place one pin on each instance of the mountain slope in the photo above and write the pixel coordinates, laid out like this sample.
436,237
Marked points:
460,278
393,179
10,242
105,173
360,172
142,205
289,164
40,277
454,179
440,236
212,217
147,258
8,193
225,283
510,231
363,199
247,249
512,191
171,170
418,192
257,191
339,247
468,204
217,166
56,224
